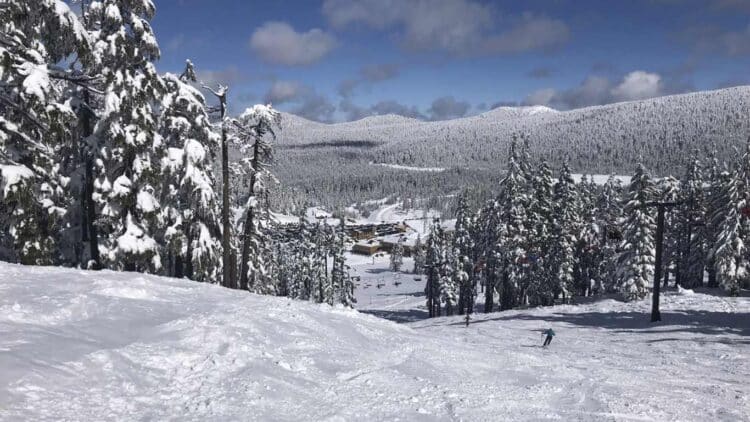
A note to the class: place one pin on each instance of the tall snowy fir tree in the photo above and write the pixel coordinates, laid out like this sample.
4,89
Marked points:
489,216
609,216
691,228
343,285
636,261
714,211
539,246
463,254
251,129
511,232
397,256
419,256
729,253
190,210
565,228
669,190
36,124
126,139
433,266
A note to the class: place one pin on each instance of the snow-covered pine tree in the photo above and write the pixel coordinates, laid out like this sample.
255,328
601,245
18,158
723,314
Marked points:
565,230
489,219
35,124
448,278
691,227
341,280
511,232
324,286
729,251
419,256
304,256
540,290
126,139
190,206
397,256
589,258
463,253
250,131
441,257
715,209
432,269
608,217
669,191
636,261
284,265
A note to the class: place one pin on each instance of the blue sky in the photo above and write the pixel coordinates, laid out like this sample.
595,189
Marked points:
336,60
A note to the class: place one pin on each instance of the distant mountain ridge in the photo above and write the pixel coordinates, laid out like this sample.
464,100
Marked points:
333,163
666,125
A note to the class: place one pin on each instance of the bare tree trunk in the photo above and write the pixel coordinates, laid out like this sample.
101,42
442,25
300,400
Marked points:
227,280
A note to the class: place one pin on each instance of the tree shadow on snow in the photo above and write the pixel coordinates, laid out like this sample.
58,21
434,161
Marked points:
412,294
377,270
399,316
703,340
695,321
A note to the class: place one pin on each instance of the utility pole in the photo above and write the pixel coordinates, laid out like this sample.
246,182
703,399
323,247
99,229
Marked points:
661,209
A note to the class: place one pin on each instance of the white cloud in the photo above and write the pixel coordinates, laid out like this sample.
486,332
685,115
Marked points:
445,108
279,43
301,100
597,90
638,85
531,33
283,91
461,27
541,97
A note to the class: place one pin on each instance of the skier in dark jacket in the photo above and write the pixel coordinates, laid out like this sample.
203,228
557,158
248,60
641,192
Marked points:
549,334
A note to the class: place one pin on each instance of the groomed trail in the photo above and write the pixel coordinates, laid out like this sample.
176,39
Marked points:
78,345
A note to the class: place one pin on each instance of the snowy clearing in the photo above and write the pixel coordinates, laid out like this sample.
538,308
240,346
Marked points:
124,346
411,168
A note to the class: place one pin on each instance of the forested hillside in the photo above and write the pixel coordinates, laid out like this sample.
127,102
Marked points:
332,164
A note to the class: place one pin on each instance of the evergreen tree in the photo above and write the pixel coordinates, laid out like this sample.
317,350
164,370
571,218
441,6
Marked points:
729,251
36,124
511,232
691,228
397,256
564,233
342,282
609,216
448,286
419,256
432,268
250,131
669,191
715,210
126,139
190,208
463,247
636,261
540,290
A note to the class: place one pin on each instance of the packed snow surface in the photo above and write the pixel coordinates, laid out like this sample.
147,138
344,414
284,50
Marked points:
78,345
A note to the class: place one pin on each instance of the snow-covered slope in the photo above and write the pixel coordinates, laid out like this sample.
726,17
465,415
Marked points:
79,346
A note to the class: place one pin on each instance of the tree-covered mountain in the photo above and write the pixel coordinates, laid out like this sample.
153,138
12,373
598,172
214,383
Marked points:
333,163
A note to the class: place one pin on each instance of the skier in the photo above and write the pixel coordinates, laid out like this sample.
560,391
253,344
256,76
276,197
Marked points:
549,334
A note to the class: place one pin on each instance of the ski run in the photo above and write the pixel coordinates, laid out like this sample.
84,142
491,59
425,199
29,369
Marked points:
79,345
